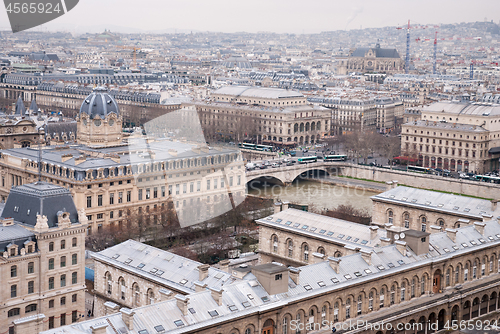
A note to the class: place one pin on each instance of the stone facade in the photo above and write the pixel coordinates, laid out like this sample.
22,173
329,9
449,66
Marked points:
44,278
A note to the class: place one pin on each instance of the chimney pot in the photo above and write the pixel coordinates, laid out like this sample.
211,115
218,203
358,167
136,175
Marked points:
367,256
373,232
128,317
385,241
452,234
224,265
203,271
294,274
334,263
401,247
479,227
182,303
217,295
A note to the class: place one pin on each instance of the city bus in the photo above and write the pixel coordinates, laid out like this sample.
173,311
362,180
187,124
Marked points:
335,158
486,178
248,146
264,148
418,169
305,160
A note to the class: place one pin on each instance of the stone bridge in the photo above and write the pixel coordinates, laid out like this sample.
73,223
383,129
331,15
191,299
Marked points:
285,175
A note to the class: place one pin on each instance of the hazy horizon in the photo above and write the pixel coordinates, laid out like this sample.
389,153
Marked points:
277,16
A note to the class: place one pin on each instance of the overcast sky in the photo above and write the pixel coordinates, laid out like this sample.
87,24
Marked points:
282,16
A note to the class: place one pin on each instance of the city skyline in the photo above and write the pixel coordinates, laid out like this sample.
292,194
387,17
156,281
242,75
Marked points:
276,16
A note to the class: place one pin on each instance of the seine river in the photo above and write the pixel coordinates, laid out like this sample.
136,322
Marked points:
317,194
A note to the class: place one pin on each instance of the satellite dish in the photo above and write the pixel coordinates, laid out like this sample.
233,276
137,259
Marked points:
396,236
402,235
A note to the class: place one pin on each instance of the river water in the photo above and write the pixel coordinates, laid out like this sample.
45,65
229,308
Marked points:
316,194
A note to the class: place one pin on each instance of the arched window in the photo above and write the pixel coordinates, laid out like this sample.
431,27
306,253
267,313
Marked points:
336,312
321,250
305,250
360,304
121,283
370,301
422,286
348,308
323,314
290,248
275,243
413,284
390,217
109,283
73,242
51,247
63,244
137,294
447,279
151,296
403,291
474,270
393,294
298,322
466,272
13,312
406,218
483,266
457,275
285,327
382,297
491,264
440,223
30,308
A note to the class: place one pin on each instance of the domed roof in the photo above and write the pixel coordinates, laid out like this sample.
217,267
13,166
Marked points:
99,102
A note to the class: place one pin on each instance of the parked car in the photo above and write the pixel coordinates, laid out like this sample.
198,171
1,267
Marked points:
267,163
275,165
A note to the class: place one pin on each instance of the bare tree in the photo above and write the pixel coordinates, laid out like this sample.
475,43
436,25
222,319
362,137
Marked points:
391,147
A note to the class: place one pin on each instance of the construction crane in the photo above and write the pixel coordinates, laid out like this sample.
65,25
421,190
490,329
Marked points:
134,62
435,52
407,60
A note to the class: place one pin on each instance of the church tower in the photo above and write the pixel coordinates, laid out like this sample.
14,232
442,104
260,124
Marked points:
99,123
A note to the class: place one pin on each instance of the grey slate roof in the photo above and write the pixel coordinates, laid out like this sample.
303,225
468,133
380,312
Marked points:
379,52
262,92
26,201
329,229
99,103
314,280
437,201
177,272
20,109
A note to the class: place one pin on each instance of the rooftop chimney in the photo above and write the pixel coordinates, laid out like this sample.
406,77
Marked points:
401,247
318,257
385,241
203,271
334,263
199,286
182,303
217,295
452,234
479,227
277,207
128,317
224,265
367,256
165,294
435,229
284,206
99,328
110,307
494,203
294,274
373,232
